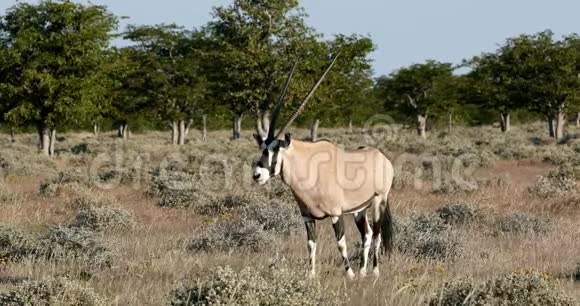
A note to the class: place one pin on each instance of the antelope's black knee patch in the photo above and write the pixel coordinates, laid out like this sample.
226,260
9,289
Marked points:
361,224
339,228
376,229
310,229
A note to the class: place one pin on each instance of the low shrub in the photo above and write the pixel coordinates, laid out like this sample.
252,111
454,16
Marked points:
8,197
51,291
521,223
224,204
56,243
558,182
426,236
55,185
459,213
86,199
177,189
84,246
104,219
18,242
254,287
280,218
518,288
227,235
258,225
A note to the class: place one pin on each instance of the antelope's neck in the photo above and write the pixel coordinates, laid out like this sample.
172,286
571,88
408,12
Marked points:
286,172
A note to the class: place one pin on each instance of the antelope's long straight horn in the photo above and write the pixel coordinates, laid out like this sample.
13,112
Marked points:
280,103
305,101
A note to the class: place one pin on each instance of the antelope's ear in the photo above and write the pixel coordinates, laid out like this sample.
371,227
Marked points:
287,139
259,140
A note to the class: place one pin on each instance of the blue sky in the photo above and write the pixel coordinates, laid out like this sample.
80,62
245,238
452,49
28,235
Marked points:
405,32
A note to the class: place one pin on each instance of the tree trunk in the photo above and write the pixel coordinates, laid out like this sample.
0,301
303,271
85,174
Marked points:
578,119
237,128
12,135
551,129
350,124
174,132
125,131
52,141
181,137
421,125
96,129
560,122
314,130
204,127
505,122
44,139
263,124
450,122
187,128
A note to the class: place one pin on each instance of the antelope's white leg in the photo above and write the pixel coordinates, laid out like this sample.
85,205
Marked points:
366,233
311,234
377,218
338,225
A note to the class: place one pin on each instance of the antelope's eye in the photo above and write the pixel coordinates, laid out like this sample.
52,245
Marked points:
259,164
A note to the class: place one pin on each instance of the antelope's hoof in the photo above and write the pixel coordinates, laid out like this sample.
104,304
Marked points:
363,273
311,274
376,271
350,274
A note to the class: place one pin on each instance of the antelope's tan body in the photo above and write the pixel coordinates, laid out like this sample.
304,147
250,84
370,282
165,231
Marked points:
329,181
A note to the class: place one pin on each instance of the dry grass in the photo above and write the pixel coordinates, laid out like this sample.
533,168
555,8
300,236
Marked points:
153,259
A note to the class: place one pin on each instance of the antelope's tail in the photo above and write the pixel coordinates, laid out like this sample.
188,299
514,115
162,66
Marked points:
387,228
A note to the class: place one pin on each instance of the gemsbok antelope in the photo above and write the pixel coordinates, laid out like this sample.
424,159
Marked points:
328,181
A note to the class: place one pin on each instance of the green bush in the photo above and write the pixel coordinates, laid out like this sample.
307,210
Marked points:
459,213
426,236
519,288
251,287
51,291
104,219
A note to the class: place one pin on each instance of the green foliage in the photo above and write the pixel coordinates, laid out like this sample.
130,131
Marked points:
518,288
252,287
52,58
170,67
418,89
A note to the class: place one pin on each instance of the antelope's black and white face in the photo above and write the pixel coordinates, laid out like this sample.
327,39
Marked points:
269,163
